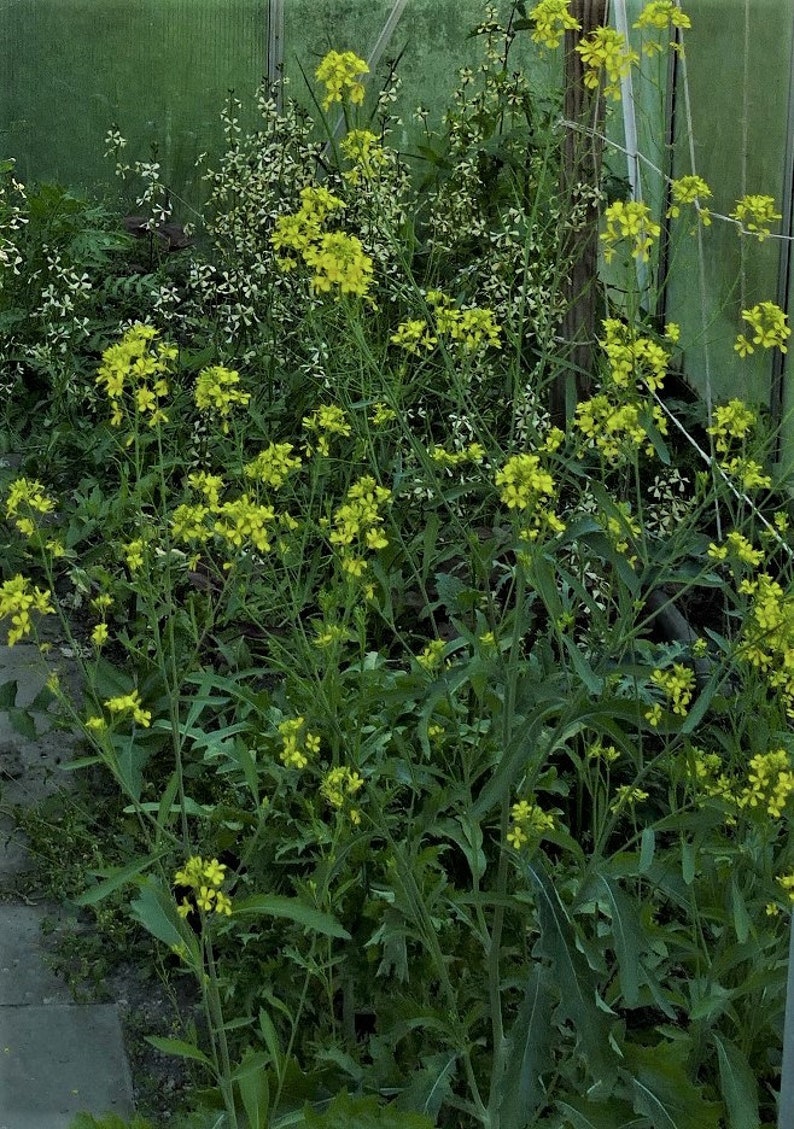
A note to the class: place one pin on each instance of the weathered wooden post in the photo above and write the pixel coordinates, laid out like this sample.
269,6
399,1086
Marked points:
581,166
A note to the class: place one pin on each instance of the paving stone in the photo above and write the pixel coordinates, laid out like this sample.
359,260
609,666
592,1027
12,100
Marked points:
24,976
59,1060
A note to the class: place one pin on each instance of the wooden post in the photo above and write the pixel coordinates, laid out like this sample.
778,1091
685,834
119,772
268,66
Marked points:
581,165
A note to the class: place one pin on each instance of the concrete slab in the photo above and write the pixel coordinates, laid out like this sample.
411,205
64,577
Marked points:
24,976
59,1060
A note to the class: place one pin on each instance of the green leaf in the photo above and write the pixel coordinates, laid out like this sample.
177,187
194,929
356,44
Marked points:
291,909
647,849
179,1048
528,1054
663,1092
22,722
8,694
252,1082
118,876
429,1087
741,918
738,1085
613,1114
345,1112
574,980
628,938
156,910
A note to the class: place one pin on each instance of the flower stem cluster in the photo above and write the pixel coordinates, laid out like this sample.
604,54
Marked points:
341,72
339,787
204,878
18,598
552,18
770,329
756,214
27,501
297,746
529,823
133,373
337,259
606,55
216,392
357,524
689,190
364,150
629,219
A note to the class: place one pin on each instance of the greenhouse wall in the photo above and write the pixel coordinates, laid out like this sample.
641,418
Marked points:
160,71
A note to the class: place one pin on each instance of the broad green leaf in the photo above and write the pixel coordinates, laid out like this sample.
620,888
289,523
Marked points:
252,1082
430,1086
345,1112
663,1092
528,1054
8,694
118,876
574,980
738,1085
741,918
156,910
291,909
613,1114
627,936
179,1048
22,722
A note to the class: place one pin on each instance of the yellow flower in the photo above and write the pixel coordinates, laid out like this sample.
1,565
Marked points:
130,704
341,71
217,392
100,634
552,18
606,53
629,219
18,598
756,213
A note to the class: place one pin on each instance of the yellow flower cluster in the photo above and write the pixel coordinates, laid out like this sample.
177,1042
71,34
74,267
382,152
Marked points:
216,392
431,656
633,358
552,18
627,795
473,453
297,746
325,421
134,371
606,54
738,548
756,214
732,425
364,149
337,259
678,686
622,529
787,883
339,786
204,877
340,72
768,636
770,327
525,485
26,501
244,519
528,822
130,704
273,465
629,219
689,190
357,523
661,15
471,329
599,752
100,633
770,782
18,598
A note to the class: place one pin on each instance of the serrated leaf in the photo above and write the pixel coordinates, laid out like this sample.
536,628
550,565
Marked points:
429,1087
528,1054
613,1114
574,979
294,910
345,1112
737,1084
663,1092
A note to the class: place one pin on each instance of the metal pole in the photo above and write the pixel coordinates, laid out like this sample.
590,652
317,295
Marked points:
376,53
630,140
785,1109
275,48
784,295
